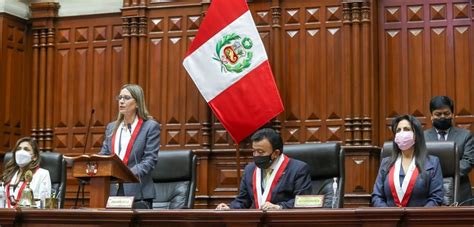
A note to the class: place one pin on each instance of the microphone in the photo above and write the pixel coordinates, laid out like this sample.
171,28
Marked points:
88,130
139,204
456,204
82,182
334,195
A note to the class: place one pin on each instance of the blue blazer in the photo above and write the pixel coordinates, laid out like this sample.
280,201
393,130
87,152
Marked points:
428,189
295,180
145,149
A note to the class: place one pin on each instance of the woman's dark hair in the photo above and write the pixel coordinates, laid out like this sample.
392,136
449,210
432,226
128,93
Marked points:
11,167
439,102
420,151
273,137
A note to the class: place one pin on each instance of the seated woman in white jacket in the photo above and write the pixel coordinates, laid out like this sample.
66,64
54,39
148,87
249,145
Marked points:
25,157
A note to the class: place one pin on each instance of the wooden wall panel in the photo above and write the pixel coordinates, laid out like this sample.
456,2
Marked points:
312,81
361,165
87,76
438,55
15,89
421,57
414,63
173,96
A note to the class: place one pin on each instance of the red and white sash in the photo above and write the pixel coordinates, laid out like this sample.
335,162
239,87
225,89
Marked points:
259,197
401,194
130,143
18,191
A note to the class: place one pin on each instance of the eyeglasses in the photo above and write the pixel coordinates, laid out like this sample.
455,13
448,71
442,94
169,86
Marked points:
125,97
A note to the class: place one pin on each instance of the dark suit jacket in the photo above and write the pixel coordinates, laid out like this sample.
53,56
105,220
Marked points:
145,152
428,190
296,180
465,145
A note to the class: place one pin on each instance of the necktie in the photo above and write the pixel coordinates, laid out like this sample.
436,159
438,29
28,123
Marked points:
442,135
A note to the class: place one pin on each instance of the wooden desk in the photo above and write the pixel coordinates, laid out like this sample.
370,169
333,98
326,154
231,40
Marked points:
334,218
388,217
77,217
455,216
443,216
201,218
7,217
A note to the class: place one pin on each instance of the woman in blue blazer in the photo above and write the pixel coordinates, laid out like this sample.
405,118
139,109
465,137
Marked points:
409,177
135,138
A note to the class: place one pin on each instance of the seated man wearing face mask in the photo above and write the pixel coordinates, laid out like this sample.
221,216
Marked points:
273,180
442,111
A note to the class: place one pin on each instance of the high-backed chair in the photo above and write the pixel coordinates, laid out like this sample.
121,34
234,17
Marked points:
326,161
448,156
174,178
56,165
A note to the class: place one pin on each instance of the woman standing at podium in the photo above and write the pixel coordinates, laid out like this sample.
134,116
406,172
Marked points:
25,157
135,138
410,177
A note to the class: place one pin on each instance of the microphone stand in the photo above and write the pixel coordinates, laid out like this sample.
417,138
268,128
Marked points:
82,183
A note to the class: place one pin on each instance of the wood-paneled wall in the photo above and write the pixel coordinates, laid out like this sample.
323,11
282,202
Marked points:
88,70
426,48
15,86
344,70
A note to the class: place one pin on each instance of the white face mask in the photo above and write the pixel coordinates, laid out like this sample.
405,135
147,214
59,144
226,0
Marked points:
22,158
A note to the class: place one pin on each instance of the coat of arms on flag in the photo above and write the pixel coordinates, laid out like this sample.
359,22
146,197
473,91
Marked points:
229,65
234,53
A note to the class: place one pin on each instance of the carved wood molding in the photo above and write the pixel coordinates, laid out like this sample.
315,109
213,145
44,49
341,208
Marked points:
43,17
356,24
276,46
44,14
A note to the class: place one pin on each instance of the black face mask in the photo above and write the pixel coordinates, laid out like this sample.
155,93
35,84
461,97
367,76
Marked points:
442,123
263,162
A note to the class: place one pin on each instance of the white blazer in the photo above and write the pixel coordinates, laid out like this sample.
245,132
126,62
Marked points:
40,184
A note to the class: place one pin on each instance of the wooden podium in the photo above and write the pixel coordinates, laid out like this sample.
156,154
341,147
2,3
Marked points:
100,170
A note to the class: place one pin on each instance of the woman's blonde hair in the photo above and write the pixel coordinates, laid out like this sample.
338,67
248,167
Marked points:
12,167
137,93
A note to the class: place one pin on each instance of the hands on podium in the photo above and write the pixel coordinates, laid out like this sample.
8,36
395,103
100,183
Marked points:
271,206
222,206
266,206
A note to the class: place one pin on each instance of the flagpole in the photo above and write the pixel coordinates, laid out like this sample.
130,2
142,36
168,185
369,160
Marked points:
237,153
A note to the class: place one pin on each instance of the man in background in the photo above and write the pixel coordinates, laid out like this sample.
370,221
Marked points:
442,113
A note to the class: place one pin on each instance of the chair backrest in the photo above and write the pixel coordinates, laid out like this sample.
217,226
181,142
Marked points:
174,178
56,165
448,156
326,162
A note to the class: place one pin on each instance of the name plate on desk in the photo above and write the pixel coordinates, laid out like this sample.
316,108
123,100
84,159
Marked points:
309,201
120,202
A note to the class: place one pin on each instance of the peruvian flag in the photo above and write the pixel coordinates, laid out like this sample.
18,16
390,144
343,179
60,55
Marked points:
228,63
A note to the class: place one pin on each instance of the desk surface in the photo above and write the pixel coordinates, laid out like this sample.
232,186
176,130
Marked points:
443,216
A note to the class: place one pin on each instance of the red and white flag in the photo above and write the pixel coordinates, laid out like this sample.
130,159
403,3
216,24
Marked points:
228,63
